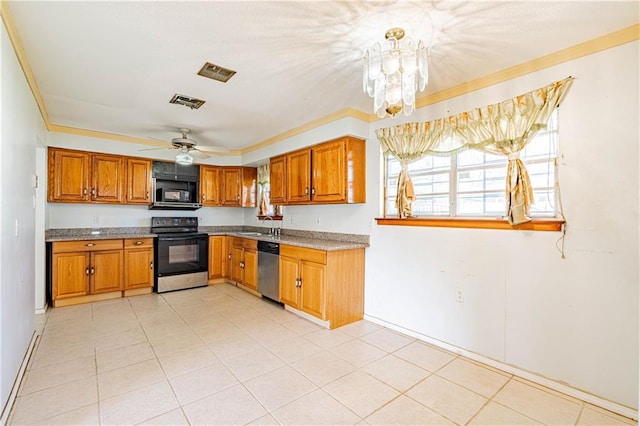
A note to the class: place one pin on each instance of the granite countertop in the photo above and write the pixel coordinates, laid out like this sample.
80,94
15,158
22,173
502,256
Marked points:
309,239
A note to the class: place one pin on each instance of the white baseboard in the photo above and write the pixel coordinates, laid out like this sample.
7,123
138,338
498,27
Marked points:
541,380
6,410
321,323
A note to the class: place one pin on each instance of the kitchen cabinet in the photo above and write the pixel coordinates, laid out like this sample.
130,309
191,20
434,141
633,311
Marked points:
277,180
210,186
332,172
81,269
298,175
328,285
138,266
218,256
244,262
68,176
83,177
138,187
238,186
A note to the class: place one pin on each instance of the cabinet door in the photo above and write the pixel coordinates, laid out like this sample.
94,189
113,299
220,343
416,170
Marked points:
209,186
107,270
107,178
217,256
138,268
277,180
68,176
250,276
228,257
289,280
230,186
328,179
70,274
236,264
312,288
298,172
138,188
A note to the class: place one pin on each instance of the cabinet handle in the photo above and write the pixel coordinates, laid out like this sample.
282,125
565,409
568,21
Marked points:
299,282
237,197
93,270
93,192
86,271
313,191
147,196
229,256
151,265
84,191
242,265
306,190
138,243
204,198
90,244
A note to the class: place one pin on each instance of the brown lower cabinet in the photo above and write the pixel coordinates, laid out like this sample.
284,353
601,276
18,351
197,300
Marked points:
84,268
218,257
328,285
92,270
138,266
244,262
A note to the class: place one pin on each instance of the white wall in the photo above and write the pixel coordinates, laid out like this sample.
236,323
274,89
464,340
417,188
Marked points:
20,127
573,320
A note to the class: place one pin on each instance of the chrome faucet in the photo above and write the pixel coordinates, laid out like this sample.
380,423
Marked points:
270,218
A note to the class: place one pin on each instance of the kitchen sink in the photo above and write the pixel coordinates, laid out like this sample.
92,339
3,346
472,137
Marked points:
250,234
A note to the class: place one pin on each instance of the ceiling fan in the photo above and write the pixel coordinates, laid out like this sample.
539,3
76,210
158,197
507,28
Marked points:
188,148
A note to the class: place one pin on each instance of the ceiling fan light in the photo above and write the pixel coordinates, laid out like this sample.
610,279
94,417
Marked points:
184,159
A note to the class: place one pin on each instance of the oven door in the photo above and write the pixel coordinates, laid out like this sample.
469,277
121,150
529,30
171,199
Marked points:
181,254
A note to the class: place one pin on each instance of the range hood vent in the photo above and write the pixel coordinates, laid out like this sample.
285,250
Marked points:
188,101
216,72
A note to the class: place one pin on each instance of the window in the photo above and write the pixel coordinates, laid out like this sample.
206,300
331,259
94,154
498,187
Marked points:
472,183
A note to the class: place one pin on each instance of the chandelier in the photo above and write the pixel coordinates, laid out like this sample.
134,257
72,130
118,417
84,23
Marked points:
391,77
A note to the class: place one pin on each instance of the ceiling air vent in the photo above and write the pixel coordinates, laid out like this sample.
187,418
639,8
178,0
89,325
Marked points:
216,72
193,103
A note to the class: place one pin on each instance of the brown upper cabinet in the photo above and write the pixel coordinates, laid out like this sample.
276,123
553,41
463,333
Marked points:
138,190
332,172
81,177
277,182
238,186
210,186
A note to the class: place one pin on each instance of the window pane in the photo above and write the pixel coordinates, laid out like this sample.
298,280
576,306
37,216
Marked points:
430,163
472,157
482,179
391,209
544,203
428,184
541,175
393,166
436,205
481,204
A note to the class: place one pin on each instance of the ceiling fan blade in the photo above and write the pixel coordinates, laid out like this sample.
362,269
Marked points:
196,153
155,149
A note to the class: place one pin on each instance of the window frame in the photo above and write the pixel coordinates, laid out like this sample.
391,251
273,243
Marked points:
549,222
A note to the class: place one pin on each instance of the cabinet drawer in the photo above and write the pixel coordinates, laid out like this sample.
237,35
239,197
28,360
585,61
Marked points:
245,243
86,245
138,242
313,255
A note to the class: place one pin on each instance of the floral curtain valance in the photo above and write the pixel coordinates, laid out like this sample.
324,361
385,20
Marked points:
503,128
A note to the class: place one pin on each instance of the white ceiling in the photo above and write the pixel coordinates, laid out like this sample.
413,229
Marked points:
113,66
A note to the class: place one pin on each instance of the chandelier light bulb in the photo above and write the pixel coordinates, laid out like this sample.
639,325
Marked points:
392,76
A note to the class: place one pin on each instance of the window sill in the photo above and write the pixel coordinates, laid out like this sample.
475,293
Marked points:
535,225
272,217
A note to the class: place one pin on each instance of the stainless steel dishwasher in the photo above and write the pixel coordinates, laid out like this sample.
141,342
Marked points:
268,270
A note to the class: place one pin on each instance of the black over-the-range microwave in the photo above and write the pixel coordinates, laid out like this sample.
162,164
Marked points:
175,187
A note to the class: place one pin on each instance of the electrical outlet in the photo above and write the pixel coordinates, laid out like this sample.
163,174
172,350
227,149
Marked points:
460,296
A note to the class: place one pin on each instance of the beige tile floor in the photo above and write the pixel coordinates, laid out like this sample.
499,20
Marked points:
219,355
